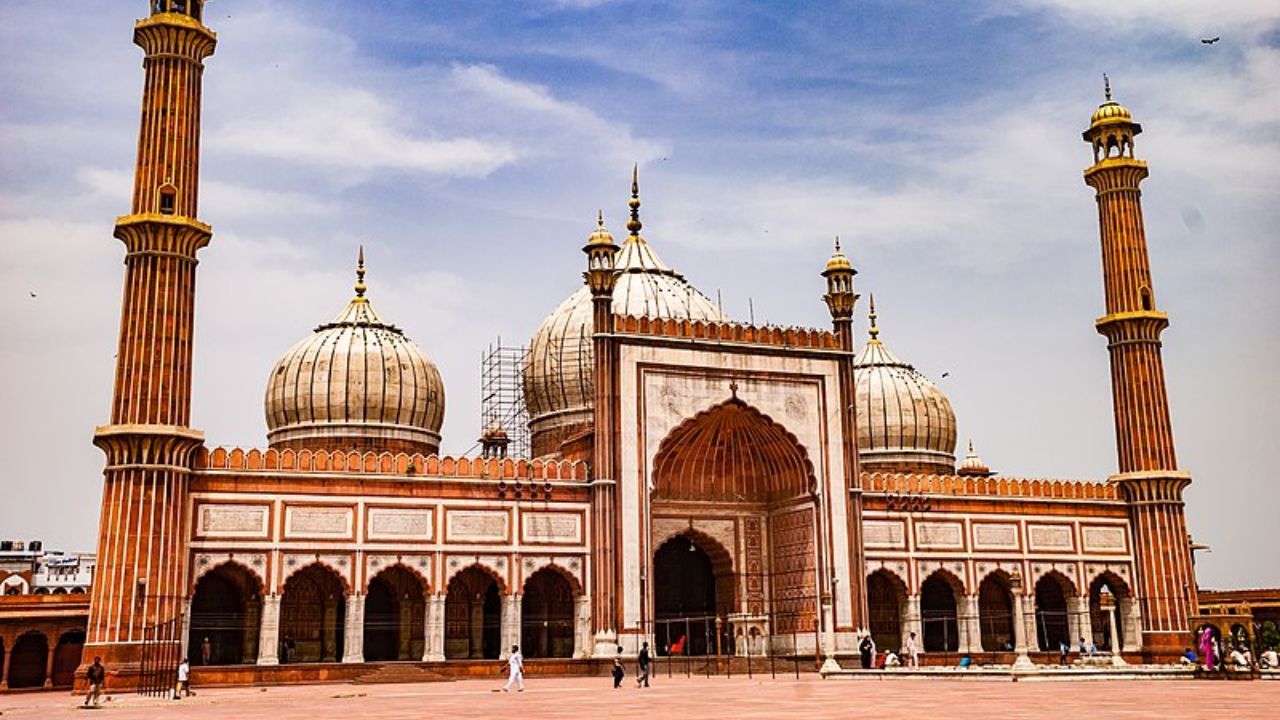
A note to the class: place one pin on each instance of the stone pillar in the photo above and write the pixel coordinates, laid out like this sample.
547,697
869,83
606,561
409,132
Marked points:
1029,623
911,622
353,634
269,631
434,645
52,647
582,626
510,624
969,627
185,640
477,628
4,670
1020,645
1081,624
1115,637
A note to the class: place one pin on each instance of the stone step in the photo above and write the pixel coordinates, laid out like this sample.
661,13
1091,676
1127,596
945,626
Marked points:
399,673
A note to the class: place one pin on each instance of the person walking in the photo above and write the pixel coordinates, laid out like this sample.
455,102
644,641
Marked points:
184,680
516,665
96,675
642,680
913,651
206,651
618,673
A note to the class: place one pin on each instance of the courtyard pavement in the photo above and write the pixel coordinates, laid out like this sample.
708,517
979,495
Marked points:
808,697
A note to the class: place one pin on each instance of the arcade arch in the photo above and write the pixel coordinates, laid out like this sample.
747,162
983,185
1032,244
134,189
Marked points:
995,613
394,607
225,612
547,621
886,608
1053,619
473,615
938,612
312,616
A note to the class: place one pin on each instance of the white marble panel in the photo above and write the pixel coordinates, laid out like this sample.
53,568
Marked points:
318,522
1050,537
550,527
233,521
884,534
995,536
477,525
400,524
940,535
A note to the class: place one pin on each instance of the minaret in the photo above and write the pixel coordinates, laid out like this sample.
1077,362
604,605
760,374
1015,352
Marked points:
139,585
1149,476
601,277
840,299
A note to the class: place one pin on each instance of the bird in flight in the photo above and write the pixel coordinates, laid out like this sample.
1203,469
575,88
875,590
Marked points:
1210,41
32,294
946,374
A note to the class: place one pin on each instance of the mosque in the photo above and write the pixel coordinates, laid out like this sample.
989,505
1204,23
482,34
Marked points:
703,485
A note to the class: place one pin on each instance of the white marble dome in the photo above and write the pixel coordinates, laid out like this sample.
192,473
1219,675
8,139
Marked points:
558,382
356,383
905,423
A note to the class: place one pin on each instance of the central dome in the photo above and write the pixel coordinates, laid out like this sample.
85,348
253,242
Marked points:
558,385
357,383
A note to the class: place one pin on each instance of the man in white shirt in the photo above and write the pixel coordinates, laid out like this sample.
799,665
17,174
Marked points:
913,650
516,664
184,680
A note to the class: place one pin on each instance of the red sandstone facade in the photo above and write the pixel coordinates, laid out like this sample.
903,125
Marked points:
725,489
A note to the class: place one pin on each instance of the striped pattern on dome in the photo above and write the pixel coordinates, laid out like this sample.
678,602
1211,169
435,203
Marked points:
905,423
1110,112
357,383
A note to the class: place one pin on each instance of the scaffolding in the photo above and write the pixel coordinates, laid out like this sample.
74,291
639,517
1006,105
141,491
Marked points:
502,395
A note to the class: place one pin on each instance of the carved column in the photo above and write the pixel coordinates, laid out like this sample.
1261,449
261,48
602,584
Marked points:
4,671
1081,624
185,639
582,626
970,628
353,636
434,644
477,628
911,621
510,624
269,631
48,663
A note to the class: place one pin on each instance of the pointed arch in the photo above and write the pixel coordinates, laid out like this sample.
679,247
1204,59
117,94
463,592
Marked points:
260,583
886,607
483,567
731,452
554,565
417,573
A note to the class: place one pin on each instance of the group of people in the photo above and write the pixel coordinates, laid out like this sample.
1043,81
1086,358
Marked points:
515,669
1085,648
1240,657
890,659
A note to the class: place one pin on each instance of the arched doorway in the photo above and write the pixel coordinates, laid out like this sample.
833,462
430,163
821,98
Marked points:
1098,618
756,472
1053,627
473,616
546,615
28,661
995,613
886,603
394,611
225,617
938,613
312,615
687,586
66,658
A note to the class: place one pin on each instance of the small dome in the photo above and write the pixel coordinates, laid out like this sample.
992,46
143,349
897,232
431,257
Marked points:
357,383
558,385
973,465
1110,113
838,260
905,423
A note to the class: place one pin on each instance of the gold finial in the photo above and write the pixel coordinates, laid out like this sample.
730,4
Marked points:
634,223
360,286
600,219
1106,84
837,244
874,332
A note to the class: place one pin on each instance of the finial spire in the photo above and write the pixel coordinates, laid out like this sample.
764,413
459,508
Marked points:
360,286
874,332
1106,84
837,243
634,224
600,219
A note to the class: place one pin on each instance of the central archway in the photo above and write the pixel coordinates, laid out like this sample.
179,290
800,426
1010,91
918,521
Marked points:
737,464
28,660
1052,619
938,613
886,604
394,609
995,613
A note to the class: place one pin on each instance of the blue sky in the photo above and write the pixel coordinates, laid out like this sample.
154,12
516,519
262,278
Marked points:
469,145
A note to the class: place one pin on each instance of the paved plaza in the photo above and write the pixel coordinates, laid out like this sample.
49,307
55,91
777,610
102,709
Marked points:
808,697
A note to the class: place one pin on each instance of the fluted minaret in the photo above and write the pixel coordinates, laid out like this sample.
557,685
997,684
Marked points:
841,299
1148,468
601,277
139,582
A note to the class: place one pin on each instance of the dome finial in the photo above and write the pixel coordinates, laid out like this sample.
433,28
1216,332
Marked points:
1106,84
634,224
874,332
360,286
837,243
600,219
